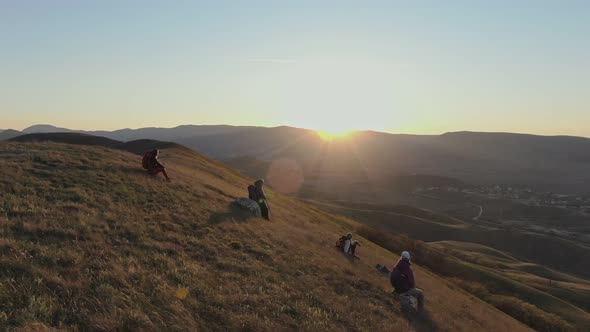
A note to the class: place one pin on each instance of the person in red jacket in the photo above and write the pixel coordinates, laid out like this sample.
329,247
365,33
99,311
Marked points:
151,163
402,279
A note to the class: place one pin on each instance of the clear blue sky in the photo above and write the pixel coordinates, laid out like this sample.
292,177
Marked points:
397,66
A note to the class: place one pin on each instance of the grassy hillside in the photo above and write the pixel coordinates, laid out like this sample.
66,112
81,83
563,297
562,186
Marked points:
509,271
492,282
90,242
555,252
560,286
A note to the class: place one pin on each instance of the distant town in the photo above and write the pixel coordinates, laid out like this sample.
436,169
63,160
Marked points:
527,196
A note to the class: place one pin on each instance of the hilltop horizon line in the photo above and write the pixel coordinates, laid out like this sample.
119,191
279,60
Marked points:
37,128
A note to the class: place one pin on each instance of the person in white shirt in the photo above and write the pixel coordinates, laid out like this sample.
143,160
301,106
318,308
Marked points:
350,245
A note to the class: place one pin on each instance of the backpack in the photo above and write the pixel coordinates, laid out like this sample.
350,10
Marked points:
399,281
147,157
252,193
341,241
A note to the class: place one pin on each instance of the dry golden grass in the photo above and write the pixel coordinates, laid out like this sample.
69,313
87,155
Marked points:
555,292
90,242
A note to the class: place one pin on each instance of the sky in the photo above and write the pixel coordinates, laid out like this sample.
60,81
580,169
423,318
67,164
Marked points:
421,67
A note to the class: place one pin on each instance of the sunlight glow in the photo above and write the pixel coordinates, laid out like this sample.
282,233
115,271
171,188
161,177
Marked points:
333,135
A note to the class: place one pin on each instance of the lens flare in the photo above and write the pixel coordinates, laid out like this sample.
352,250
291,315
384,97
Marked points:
285,176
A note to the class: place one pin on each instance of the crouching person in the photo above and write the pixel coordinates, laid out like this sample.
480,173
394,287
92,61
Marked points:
348,245
402,279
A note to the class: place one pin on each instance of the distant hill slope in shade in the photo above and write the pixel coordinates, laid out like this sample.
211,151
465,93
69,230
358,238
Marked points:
168,134
99,245
71,138
8,134
545,163
137,146
142,145
45,128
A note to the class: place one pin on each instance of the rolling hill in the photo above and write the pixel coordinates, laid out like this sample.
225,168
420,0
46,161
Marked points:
80,139
90,242
549,272
8,134
137,146
553,163
45,128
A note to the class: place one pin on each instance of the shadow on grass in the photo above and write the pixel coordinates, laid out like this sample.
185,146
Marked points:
352,260
134,170
44,236
233,213
420,321
138,171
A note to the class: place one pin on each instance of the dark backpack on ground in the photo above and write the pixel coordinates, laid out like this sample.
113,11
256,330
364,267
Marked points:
382,268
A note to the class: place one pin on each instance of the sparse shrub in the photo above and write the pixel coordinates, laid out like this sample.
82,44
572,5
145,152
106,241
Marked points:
472,287
236,245
531,315
289,310
18,227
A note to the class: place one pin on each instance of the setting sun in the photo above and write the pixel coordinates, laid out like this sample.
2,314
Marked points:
332,135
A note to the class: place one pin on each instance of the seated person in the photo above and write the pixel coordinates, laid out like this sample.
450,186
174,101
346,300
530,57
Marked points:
257,194
151,163
402,279
349,245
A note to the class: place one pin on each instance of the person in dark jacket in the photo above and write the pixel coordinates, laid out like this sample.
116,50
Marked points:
257,194
153,166
402,279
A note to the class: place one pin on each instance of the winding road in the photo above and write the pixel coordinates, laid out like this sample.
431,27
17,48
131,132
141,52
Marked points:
341,207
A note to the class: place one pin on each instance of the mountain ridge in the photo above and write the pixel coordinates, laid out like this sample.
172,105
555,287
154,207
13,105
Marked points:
51,128
545,163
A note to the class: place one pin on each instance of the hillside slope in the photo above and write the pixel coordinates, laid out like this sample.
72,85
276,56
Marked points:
544,163
8,134
90,242
64,137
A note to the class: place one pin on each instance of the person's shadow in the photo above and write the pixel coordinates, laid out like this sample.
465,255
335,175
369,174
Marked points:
233,213
420,321
134,170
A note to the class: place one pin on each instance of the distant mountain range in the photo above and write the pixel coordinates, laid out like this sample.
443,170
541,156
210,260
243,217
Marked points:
370,162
